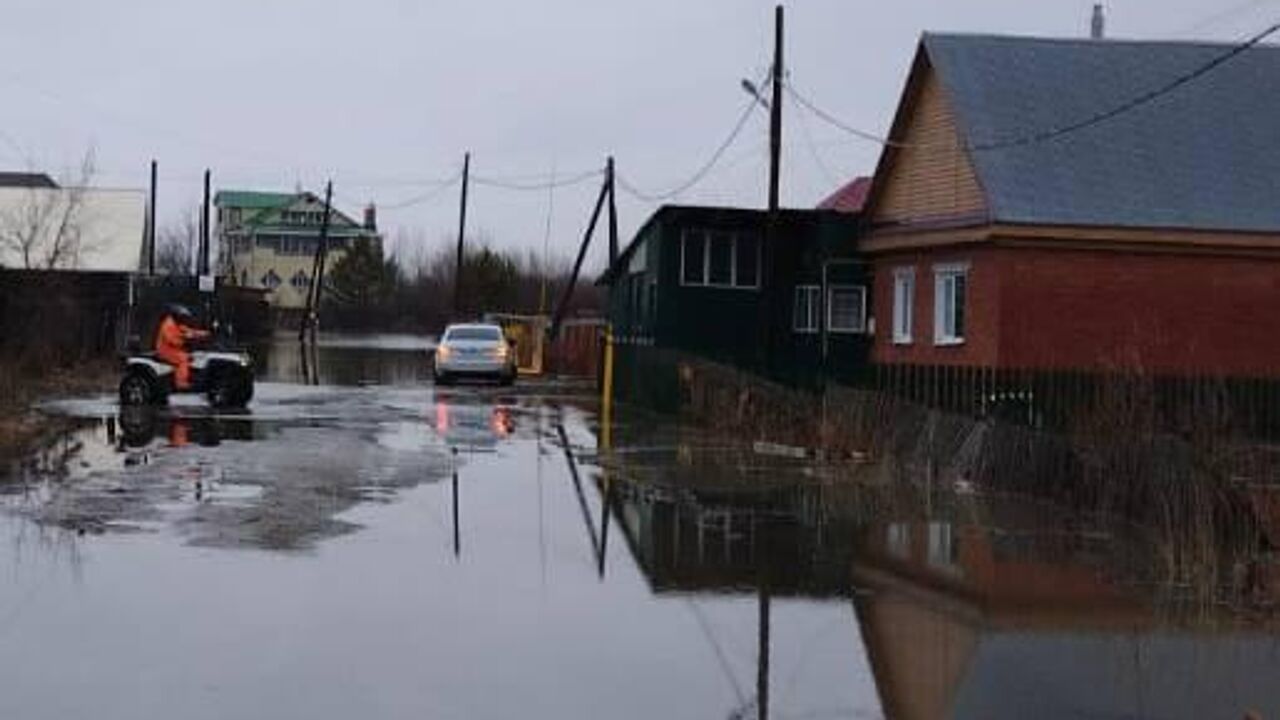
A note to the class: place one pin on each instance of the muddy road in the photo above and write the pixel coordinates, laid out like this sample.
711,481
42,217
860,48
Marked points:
370,547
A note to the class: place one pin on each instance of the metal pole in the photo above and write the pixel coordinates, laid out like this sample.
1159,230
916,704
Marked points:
462,229
202,267
151,223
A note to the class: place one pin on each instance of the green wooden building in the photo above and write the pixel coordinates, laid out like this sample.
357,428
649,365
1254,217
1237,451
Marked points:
704,282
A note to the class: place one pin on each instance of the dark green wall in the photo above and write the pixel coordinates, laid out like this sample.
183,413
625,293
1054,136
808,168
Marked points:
750,329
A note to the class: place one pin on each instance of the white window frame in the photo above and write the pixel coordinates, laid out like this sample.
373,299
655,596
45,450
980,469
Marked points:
904,305
861,327
704,236
944,276
813,294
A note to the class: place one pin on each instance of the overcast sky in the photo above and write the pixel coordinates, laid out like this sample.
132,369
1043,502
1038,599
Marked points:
384,96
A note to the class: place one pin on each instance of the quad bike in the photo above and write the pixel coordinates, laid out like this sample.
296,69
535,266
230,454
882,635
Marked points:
223,376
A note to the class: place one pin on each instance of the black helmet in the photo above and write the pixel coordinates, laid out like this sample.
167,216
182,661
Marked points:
179,311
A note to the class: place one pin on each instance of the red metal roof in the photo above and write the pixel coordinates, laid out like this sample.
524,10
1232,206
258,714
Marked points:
849,198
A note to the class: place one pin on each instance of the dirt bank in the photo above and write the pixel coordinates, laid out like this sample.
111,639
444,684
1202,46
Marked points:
22,426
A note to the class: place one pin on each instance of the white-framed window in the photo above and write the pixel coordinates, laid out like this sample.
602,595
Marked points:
804,315
950,299
270,280
299,281
904,301
720,258
847,309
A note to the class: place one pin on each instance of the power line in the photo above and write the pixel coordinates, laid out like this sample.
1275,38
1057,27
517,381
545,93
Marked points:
1060,131
424,197
706,168
552,183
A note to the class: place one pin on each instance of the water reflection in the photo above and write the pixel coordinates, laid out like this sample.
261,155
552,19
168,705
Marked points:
967,606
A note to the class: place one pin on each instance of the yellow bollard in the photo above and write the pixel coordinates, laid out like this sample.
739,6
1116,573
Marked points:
606,391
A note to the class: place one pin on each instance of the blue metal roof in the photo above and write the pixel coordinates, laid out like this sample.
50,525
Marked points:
1204,156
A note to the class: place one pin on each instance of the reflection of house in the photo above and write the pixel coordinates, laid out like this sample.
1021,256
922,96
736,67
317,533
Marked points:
69,228
1018,619
703,281
1008,229
268,240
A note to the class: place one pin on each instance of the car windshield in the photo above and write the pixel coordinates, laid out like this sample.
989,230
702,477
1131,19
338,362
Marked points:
492,334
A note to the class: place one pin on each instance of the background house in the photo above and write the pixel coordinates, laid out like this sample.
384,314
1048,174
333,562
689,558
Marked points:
44,226
1014,224
701,281
268,241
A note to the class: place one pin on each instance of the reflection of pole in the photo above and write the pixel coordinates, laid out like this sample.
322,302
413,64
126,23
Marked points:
762,664
457,536
607,491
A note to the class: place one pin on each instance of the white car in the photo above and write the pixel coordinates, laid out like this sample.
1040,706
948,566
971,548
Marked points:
474,350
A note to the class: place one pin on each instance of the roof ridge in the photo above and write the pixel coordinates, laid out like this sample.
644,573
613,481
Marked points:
1045,39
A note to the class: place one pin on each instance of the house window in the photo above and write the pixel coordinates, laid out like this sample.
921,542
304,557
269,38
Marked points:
271,280
904,300
949,292
804,316
719,259
299,281
847,309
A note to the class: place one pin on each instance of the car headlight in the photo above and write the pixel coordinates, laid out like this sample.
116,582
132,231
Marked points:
501,352
442,353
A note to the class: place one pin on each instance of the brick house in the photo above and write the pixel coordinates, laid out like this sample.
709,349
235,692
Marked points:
1010,226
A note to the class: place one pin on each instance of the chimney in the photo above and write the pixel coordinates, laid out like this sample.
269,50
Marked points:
371,217
1098,30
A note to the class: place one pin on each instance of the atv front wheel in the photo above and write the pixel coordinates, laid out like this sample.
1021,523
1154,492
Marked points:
230,390
137,389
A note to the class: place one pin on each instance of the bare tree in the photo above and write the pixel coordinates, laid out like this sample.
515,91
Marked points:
46,229
176,244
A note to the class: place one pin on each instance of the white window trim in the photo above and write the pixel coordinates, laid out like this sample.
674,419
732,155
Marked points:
861,329
704,236
941,273
814,293
904,315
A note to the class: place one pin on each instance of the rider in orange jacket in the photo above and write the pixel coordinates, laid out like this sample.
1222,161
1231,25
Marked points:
176,328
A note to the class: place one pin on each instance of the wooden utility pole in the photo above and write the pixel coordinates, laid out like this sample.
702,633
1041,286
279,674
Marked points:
151,223
772,221
775,114
613,213
462,229
317,269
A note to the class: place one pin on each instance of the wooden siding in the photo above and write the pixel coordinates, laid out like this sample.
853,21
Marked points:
931,176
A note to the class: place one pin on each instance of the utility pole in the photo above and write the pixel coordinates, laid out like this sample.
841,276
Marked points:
462,229
202,262
613,212
772,221
151,223
317,269
775,115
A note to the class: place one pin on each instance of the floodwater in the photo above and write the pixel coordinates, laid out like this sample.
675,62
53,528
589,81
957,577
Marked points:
369,547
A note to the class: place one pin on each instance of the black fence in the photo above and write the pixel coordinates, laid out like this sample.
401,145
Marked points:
61,317
1063,400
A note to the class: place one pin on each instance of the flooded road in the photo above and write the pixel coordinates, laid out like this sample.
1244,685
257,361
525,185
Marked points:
370,547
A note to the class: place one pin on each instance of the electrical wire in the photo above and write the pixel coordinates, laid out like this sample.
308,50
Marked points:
1062,130
553,183
707,167
424,197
